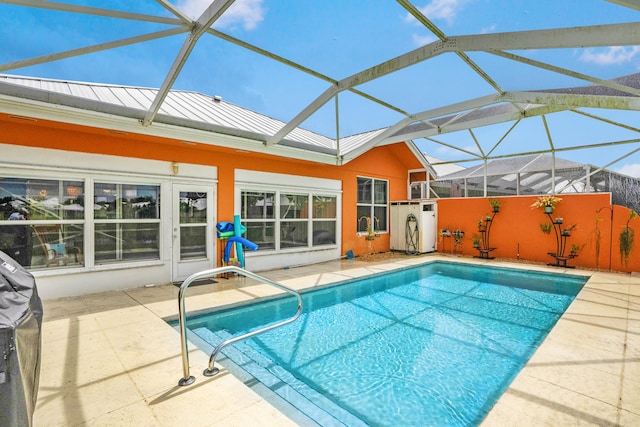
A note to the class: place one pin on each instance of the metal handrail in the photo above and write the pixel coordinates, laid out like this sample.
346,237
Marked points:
189,379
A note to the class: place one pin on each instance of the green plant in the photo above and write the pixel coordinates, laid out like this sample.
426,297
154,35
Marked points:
567,231
546,201
626,239
476,239
575,248
495,204
546,227
370,227
457,236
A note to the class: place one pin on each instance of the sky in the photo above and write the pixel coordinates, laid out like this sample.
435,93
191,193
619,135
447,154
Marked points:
339,38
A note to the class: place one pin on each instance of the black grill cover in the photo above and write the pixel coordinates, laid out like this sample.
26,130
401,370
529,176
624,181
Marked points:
20,338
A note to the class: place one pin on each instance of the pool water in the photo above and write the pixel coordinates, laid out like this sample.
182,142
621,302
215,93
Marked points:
432,345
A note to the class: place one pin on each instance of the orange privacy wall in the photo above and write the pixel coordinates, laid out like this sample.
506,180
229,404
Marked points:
516,232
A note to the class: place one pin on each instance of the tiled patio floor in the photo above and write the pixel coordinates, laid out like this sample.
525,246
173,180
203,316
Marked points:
111,360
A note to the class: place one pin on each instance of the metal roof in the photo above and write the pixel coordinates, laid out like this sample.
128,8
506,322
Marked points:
522,164
181,105
541,174
442,168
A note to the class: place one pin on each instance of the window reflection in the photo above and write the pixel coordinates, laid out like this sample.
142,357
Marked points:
37,217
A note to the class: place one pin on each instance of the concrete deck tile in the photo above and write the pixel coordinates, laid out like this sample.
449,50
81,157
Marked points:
137,414
75,403
544,403
68,327
64,308
259,414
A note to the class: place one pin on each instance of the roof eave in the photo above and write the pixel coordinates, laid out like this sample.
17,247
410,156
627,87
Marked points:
44,105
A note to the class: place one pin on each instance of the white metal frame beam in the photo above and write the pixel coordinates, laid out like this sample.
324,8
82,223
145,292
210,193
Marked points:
539,103
91,49
199,27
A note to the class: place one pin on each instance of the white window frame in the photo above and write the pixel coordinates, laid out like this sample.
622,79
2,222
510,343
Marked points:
372,206
282,184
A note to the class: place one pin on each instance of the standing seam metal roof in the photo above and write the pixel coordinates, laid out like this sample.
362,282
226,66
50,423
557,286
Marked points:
186,105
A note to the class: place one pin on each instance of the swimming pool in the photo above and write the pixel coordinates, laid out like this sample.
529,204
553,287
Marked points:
431,345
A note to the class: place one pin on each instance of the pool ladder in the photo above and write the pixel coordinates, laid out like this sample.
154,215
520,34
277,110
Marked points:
211,370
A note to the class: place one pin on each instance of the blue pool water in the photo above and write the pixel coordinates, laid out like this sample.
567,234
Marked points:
432,345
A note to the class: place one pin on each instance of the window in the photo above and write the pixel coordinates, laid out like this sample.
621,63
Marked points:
42,221
127,222
193,225
372,205
294,220
278,220
258,216
324,220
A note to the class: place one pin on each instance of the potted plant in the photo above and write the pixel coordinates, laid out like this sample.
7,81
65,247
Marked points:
559,220
575,249
626,239
457,236
546,227
567,231
548,202
495,204
371,231
476,239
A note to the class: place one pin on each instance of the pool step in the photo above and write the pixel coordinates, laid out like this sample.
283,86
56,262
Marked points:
304,399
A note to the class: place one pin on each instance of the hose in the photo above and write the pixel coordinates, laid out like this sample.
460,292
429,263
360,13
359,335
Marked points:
411,235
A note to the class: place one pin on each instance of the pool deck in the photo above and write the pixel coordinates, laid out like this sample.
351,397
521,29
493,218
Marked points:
110,359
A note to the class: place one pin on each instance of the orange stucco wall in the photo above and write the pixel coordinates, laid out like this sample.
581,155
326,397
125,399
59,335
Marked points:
516,232
390,162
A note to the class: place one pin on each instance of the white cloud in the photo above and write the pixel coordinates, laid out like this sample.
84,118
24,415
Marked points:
490,29
611,55
249,13
441,9
423,40
631,169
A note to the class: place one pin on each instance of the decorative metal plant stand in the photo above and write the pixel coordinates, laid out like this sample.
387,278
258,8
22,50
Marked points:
484,248
561,254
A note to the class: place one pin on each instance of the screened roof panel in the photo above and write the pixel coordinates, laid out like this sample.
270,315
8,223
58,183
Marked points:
419,70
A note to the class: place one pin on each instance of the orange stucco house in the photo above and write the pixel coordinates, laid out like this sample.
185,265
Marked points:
93,198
